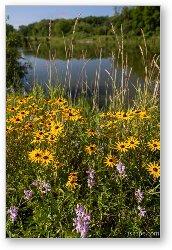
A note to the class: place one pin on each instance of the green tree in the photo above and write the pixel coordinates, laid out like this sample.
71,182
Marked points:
14,69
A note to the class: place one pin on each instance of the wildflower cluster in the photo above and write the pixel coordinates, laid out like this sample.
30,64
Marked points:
82,221
91,180
42,186
139,196
79,156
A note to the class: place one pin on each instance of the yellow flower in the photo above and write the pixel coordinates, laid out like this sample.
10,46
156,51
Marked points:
124,116
46,157
38,139
91,132
37,118
72,181
29,126
16,119
138,112
90,149
23,113
70,114
154,169
12,109
9,129
57,128
57,165
35,155
144,116
103,115
60,101
110,161
39,133
22,101
52,138
132,142
122,146
154,145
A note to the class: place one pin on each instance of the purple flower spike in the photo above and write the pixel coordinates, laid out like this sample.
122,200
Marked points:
28,194
43,186
121,168
91,182
13,213
142,212
82,221
139,195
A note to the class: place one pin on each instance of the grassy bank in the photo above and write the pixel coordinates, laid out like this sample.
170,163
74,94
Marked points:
152,42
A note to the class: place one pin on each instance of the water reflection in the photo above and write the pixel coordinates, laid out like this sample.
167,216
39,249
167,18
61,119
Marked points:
85,69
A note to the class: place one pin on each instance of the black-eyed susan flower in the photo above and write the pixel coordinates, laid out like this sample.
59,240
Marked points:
12,109
52,138
57,128
119,114
132,142
71,114
72,181
154,169
22,101
29,126
38,139
35,155
90,149
110,161
103,114
91,132
37,118
46,157
154,145
23,113
144,116
122,146
39,133
60,101
16,119
137,112
124,115
9,129
57,164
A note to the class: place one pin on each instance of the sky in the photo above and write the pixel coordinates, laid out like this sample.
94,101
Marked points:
24,15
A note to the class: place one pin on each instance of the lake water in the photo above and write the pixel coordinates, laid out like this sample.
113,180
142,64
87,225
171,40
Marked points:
83,71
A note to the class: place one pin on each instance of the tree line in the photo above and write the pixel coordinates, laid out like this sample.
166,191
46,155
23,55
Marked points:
133,19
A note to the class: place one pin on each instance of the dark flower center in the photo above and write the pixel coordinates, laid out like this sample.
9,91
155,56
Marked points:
37,155
45,157
155,169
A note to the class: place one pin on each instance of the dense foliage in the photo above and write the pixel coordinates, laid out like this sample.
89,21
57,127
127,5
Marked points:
132,18
14,69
